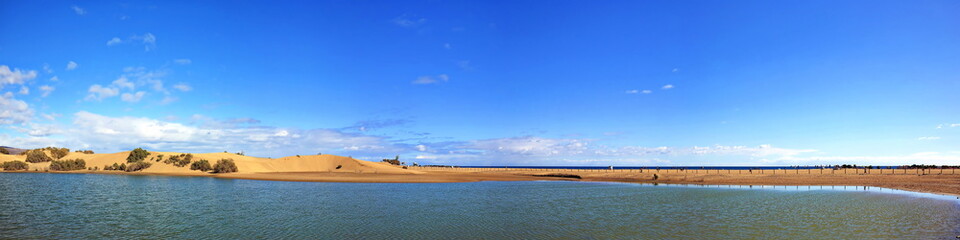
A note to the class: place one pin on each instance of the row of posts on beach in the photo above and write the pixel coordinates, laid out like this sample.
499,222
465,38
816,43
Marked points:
682,170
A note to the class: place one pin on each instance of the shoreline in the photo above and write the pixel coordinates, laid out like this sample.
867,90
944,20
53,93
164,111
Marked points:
942,184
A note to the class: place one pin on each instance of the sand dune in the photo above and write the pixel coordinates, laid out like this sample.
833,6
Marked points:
245,164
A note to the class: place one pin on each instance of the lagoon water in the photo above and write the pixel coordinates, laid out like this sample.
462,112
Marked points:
91,206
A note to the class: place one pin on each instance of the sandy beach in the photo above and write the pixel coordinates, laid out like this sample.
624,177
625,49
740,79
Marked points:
332,168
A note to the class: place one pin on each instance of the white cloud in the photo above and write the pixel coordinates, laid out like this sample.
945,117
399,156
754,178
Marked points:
183,87
13,111
123,82
45,90
431,79
124,133
465,65
51,116
39,130
421,147
15,76
928,138
54,78
78,10
128,97
24,90
407,20
668,86
99,93
114,41
675,70
182,61
635,91
148,40
168,100
72,65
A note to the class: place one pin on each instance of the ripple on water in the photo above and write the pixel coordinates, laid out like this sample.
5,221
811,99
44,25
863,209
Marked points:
37,205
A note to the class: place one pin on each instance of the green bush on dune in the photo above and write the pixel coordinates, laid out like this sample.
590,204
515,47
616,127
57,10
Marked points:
36,155
137,155
137,166
58,153
225,166
202,165
115,166
68,165
179,160
14,165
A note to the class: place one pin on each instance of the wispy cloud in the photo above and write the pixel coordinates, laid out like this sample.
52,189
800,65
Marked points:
72,65
633,91
182,61
668,86
646,91
928,138
183,87
408,20
78,10
431,79
114,41
98,92
45,90
148,40
132,97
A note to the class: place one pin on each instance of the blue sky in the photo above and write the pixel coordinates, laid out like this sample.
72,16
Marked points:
490,82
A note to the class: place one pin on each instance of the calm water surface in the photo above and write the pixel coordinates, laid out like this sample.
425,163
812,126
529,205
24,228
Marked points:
38,205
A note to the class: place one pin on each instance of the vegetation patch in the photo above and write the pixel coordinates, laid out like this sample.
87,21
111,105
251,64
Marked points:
137,166
137,155
15,165
225,166
179,160
202,165
68,165
37,155
115,167
58,153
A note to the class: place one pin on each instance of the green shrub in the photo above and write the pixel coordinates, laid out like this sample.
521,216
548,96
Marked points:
4,150
179,160
202,165
15,165
225,166
37,155
115,167
159,157
137,155
137,166
84,151
58,152
68,165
